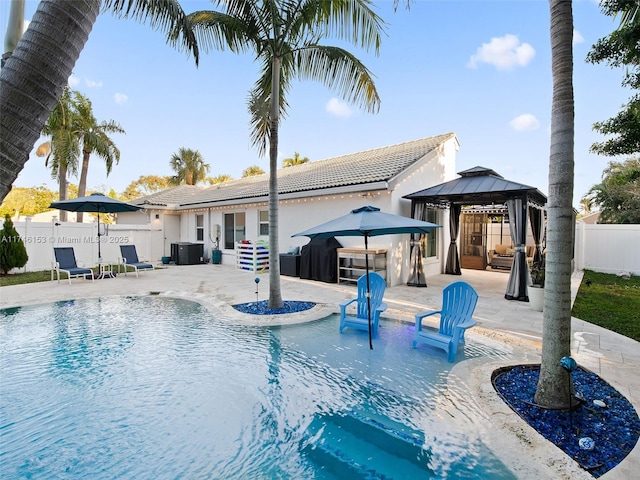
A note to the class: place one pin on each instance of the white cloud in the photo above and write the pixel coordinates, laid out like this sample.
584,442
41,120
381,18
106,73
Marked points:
504,53
525,123
120,98
92,83
338,108
577,37
73,81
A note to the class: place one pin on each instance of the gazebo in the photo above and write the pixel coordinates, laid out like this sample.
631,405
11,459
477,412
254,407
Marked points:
483,186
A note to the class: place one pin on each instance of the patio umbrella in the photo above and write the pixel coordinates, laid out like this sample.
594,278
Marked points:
95,203
367,222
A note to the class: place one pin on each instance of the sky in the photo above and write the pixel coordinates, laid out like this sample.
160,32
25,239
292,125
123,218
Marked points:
479,68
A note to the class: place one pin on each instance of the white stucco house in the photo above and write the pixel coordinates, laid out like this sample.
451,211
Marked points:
223,215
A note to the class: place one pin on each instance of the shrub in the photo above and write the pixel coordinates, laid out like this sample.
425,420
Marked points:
537,272
13,253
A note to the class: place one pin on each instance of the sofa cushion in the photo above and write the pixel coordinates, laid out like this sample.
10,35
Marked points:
501,249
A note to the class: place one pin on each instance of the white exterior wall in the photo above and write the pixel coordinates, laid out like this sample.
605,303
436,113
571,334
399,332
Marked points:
602,248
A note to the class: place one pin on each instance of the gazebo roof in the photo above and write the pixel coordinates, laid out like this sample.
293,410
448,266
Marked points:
477,186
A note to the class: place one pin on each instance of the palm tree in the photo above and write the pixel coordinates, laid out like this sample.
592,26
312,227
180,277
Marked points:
296,160
283,36
224,177
34,76
553,388
252,171
586,204
95,139
189,167
63,150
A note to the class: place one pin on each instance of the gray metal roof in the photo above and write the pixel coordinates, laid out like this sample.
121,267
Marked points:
362,168
477,186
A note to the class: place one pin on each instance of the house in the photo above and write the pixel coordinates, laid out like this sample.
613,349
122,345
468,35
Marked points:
221,216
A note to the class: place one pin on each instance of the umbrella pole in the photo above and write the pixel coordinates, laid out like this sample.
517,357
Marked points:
366,267
99,254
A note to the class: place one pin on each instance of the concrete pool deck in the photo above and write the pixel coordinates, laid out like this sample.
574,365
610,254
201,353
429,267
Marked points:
613,357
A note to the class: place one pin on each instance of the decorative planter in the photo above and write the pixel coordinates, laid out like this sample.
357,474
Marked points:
536,297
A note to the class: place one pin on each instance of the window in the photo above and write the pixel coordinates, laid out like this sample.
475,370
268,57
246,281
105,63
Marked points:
234,229
263,223
430,241
199,228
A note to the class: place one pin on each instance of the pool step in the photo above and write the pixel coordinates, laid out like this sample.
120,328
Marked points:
358,446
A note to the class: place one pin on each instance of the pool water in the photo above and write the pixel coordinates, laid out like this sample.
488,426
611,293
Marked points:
154,387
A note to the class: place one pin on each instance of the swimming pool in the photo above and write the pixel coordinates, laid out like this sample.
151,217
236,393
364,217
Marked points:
154,387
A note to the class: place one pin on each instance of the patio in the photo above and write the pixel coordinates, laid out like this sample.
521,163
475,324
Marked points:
615,358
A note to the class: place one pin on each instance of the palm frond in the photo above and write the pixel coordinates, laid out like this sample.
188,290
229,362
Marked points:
164,15
351,20
259,101
340,71
218,31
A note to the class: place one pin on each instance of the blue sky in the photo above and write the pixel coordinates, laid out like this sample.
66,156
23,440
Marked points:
479,68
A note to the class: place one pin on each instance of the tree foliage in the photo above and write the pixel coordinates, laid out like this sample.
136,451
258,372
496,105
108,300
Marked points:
63,149
252,171
219,179
189,167
13,253
145,185
295,160
27,201
621,49
618,195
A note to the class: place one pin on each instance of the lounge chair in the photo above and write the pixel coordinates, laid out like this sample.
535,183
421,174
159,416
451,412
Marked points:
377,286
130,259
66,262
458,303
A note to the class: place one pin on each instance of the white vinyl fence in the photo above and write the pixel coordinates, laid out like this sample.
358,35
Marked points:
608,248
602,248
41,237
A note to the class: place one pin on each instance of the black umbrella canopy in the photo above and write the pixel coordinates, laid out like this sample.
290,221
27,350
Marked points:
367,222
95,203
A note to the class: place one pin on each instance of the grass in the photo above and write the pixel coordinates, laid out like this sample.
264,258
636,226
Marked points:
28,277
611,302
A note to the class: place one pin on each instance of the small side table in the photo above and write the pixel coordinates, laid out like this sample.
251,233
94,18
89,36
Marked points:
105,270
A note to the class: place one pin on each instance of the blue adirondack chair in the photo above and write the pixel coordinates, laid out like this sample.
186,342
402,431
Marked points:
458,303
377,285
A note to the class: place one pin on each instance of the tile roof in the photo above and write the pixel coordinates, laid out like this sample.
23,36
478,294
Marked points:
172,196
361,168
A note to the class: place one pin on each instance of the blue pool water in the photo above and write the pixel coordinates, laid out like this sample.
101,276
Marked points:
153,387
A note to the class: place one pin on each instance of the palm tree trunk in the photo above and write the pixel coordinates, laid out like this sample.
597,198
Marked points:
275,294
32,79
553,388
82,183
62,189
14,28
